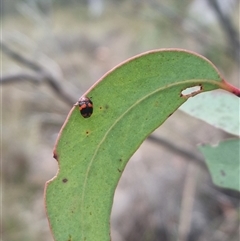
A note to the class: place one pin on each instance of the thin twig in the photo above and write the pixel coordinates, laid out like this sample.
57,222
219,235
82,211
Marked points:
231,32
180,151
187,203
13,78
20,58
41,74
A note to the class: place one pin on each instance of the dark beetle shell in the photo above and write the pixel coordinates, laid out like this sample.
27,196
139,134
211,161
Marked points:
85,107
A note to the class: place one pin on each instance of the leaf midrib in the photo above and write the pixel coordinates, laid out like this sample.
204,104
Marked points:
197,81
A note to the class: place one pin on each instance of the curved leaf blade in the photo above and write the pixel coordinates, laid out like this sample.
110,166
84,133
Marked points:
129,102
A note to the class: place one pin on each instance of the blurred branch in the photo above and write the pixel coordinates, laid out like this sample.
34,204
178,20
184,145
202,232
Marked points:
228,27
180,151
41,74
20,58
187,203
12,78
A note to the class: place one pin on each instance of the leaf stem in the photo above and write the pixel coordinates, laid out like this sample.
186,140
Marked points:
230,88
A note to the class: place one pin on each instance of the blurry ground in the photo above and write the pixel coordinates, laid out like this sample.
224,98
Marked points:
154,197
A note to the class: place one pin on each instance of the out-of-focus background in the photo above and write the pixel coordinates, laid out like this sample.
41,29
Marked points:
52,52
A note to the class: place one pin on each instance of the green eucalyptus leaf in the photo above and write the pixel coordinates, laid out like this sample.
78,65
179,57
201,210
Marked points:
223,161
218,108
129,103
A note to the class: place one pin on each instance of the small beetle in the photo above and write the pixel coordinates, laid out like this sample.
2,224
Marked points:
85,107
